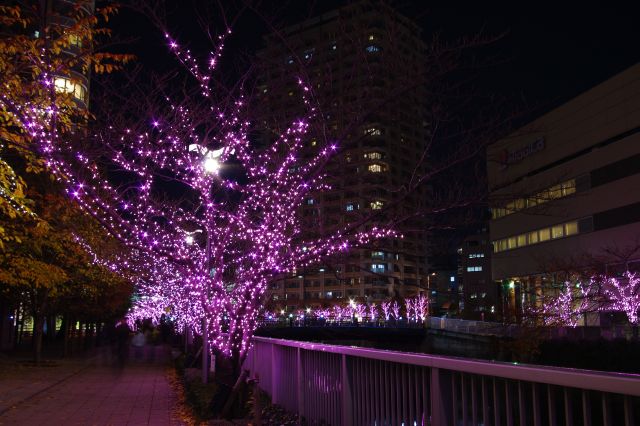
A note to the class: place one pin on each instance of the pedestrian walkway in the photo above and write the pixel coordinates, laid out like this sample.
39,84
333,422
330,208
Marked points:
95,393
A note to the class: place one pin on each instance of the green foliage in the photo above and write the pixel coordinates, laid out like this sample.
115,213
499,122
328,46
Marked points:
28,52
42,265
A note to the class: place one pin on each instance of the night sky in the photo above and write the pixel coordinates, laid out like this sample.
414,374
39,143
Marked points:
549,52
546,55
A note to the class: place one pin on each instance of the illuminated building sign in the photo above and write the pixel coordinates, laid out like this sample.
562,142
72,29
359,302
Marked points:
508,158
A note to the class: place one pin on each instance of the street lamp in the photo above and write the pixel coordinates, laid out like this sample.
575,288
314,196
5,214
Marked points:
189,239
211,165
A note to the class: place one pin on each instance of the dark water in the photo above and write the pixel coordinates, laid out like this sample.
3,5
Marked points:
604,355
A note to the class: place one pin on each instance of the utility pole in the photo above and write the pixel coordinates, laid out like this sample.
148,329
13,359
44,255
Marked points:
205,328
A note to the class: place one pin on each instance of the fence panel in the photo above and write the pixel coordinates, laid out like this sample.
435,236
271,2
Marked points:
340,385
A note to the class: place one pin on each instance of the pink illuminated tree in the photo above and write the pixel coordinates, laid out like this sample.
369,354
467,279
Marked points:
409,306
395,308
386,309
567,305
372,312
623,294
155,179
421,307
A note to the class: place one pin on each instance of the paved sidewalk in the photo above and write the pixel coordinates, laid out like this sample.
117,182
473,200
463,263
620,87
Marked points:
94,394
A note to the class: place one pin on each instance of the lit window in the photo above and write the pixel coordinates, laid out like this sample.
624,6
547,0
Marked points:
545,234
314,142
378,267
555,192
74,40
65,85
474,268
533,237
475,255
372,131
352,206
376,205
371,37
452,279
372,48
570,228
377,254
522,240
512,242
311,201
373,155
557,231
376,168
569,187
308,54
334,46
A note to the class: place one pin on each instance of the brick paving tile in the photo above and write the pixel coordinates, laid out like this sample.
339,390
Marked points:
138,394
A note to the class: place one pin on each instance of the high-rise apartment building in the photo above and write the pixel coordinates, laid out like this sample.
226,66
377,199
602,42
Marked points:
364,65
58,17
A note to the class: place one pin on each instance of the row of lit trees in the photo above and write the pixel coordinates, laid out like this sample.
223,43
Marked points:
203,251
202,243
414,309
44,270
574,300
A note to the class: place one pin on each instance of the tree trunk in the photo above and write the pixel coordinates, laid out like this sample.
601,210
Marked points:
51,328
38,308
65,336
227,411
236,365
38,325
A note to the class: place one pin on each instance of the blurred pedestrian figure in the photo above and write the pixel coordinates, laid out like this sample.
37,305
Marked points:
122,332
138,342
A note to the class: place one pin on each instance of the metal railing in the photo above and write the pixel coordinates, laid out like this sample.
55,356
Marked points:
341,385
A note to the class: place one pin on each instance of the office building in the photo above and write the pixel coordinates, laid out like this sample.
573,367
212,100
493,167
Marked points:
479,295
565,191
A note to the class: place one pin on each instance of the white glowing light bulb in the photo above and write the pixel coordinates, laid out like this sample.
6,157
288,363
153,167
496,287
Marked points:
211,165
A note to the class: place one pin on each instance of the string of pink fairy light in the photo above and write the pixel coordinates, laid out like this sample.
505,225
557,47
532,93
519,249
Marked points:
251,241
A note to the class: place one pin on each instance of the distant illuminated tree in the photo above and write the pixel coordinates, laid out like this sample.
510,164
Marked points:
395,308
409,306
386,309
421,307
372,312
623,294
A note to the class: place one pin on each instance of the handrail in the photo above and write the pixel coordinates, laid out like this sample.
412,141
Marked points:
625,383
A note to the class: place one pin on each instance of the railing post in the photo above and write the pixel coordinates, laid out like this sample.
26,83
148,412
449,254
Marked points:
274,375
300,389
347,413
441,404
